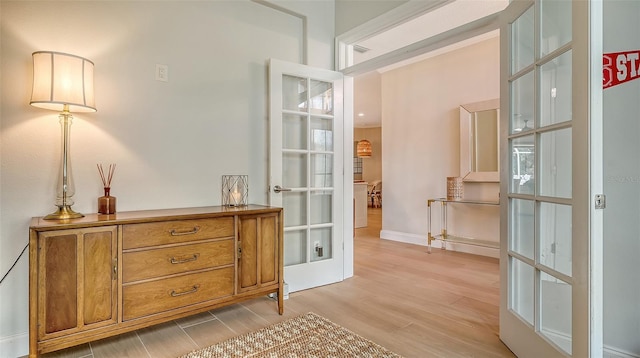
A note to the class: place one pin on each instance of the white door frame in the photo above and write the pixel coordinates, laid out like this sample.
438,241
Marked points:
593,134
403,13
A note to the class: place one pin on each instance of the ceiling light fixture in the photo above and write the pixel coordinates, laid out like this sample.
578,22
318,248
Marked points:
363,149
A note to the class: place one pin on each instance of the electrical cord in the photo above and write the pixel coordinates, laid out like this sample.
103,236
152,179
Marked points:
14,264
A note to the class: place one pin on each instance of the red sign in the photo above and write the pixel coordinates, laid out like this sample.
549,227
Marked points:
620,67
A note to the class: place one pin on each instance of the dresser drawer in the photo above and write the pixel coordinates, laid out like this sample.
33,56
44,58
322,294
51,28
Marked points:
147,298
150,263
171,232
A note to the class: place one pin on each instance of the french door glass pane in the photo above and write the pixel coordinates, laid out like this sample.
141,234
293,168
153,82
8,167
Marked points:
294,170
555,163
294,93
522,227
321,203
321,170
555,90
522,104
521,277
294,131
321,239
296,204
523,165
295,247
321,97
555,29
556,311
522,41
555,237
322,134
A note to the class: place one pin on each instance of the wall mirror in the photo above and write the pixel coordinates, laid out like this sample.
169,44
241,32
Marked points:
479,136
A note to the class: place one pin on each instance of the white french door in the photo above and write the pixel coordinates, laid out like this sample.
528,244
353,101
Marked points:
550,283
306,170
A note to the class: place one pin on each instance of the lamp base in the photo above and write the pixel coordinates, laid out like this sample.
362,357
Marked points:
64,212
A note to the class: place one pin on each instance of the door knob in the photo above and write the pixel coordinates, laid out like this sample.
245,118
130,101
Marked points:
278,188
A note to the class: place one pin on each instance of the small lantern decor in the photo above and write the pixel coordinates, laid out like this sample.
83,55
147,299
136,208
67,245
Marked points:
235,190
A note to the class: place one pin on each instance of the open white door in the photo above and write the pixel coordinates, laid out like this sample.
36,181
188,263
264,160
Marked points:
306,170
550,278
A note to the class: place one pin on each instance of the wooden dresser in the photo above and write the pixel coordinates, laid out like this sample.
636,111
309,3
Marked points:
104,275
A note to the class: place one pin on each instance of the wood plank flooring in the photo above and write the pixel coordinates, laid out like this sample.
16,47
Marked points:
418,305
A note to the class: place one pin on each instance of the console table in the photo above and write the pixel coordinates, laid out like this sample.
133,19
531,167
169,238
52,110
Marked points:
104,275
444,235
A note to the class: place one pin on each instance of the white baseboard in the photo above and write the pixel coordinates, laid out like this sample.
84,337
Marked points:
611,352
405,237
437,244
14,346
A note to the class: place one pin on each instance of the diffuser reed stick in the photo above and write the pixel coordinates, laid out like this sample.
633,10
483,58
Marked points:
106,181
106,203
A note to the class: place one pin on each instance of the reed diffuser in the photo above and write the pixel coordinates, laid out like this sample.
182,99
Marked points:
106,203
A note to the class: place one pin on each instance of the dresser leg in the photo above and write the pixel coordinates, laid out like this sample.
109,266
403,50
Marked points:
281,300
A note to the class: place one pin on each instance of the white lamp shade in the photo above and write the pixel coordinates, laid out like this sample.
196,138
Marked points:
61,79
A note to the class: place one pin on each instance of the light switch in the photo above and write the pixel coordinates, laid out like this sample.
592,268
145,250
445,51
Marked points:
162,73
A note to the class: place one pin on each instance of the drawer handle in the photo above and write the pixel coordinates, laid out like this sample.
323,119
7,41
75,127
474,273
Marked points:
178,233
194,289
188,259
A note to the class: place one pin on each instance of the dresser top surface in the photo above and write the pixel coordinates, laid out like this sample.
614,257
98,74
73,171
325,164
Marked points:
127,217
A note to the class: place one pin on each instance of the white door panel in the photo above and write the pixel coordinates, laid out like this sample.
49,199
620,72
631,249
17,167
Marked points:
546,306
306,170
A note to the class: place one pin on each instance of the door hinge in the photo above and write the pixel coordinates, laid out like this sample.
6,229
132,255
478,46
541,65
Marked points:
600,201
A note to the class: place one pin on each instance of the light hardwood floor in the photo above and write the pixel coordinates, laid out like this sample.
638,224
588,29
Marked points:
418,305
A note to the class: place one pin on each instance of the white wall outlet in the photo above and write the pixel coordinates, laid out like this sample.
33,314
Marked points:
162,73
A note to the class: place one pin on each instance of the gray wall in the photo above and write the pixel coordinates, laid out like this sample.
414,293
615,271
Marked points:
622,187
172,141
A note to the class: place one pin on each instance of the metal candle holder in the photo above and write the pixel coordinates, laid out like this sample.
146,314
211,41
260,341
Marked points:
235,190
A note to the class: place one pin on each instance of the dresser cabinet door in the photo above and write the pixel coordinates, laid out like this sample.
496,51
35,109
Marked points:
76,280
258,255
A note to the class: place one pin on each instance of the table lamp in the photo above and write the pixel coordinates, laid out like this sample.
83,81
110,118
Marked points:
63,82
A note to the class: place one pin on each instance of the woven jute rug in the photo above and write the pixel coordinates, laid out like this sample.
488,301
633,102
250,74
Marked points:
307,335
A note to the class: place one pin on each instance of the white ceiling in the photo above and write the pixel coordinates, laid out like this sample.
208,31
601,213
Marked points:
367,97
